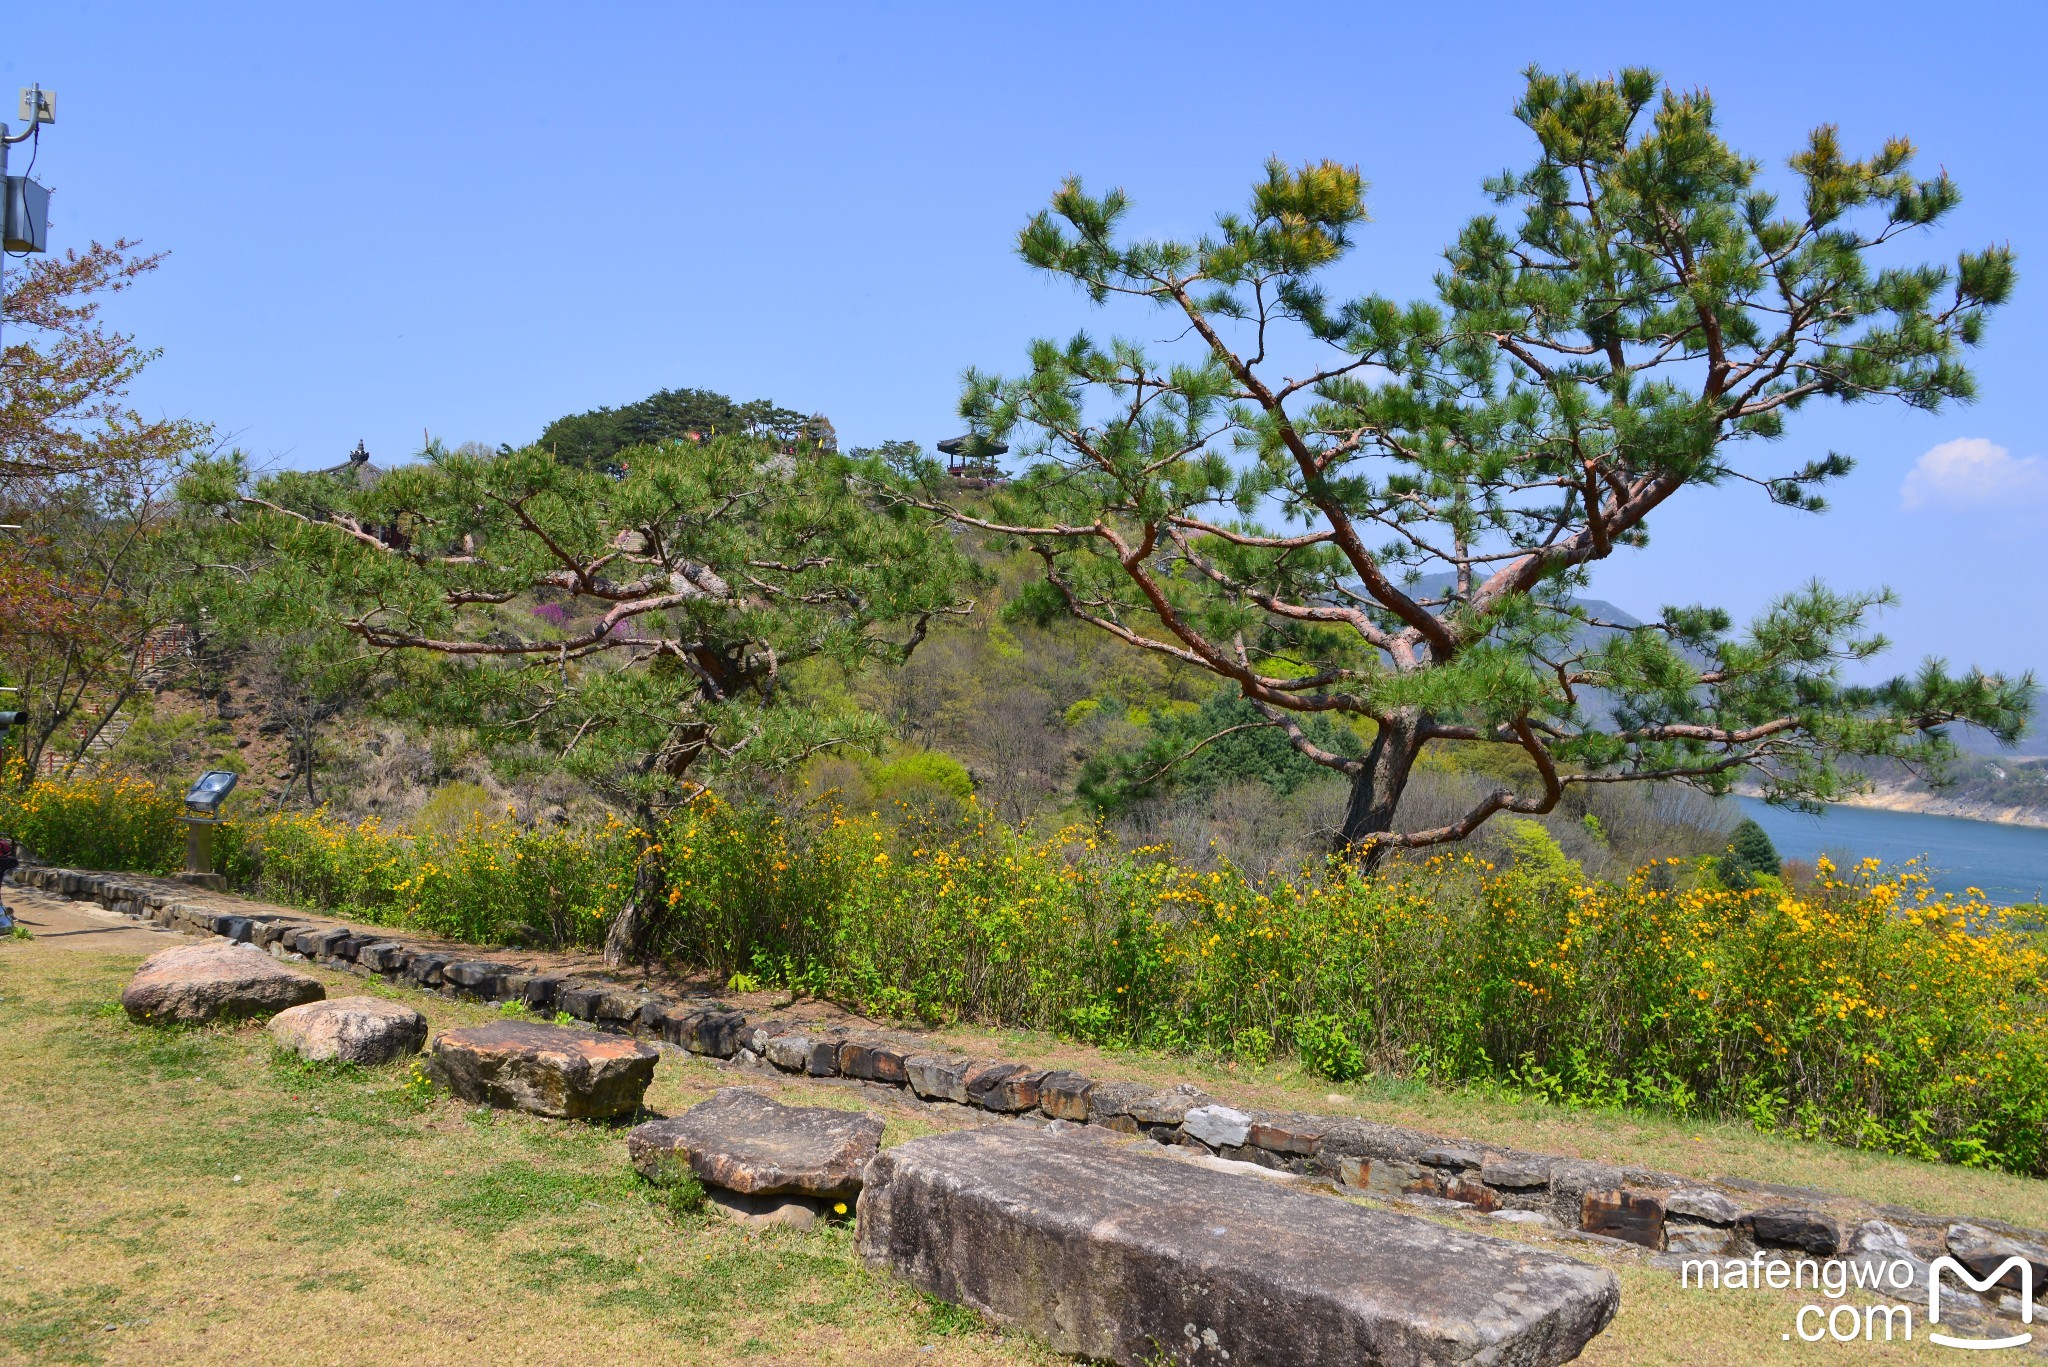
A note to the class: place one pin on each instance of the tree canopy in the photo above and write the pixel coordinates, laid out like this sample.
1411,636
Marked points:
643,632
1395,533
595,439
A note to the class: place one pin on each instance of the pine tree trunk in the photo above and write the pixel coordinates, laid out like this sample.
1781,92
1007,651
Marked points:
1377,787
625,941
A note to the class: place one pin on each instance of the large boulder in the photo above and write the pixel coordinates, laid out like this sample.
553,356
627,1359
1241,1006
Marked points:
1105,1251
545,1069
218,980
745,1142
365,1030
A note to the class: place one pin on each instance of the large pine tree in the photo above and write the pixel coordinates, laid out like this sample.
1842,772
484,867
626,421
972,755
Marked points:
1393,528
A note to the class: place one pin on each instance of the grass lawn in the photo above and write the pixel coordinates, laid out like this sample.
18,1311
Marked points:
188,1196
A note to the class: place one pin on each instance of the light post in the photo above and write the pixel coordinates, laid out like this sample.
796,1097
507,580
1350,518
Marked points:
25,209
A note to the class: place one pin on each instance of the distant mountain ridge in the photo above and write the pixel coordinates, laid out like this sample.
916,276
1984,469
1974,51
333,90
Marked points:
1968,739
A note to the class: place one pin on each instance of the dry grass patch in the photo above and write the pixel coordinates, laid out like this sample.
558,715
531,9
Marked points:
189,1196
371,1224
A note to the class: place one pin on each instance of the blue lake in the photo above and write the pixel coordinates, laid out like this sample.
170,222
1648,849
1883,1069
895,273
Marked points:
2010,863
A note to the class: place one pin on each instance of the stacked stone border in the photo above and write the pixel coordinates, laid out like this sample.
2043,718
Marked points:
1662,1212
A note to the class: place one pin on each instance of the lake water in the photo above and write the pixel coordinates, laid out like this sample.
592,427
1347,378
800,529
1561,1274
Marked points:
2010,863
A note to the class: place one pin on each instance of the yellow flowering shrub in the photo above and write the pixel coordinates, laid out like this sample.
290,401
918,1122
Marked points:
1866,1009
102,822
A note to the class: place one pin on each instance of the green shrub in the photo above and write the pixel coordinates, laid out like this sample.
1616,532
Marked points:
1327,1049
921,769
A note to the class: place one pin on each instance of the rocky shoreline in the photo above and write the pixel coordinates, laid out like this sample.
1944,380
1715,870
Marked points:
1920,802
1925,802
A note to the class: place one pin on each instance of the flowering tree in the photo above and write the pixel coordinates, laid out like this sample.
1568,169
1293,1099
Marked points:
83,610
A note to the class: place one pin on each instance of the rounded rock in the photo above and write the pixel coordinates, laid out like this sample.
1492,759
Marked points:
216,981
365,1030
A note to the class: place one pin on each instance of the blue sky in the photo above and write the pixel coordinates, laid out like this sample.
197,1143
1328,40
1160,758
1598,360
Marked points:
390,220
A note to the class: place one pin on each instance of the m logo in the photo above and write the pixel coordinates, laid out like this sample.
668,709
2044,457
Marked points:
2026,1272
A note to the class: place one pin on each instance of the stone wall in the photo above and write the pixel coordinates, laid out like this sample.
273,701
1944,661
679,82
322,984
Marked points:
1660,1211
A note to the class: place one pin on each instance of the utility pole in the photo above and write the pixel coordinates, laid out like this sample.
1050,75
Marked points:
26,205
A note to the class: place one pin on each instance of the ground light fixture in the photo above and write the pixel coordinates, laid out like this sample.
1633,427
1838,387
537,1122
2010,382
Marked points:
202,814
213,785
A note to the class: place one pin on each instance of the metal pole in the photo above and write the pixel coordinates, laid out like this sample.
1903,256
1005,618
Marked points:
4,144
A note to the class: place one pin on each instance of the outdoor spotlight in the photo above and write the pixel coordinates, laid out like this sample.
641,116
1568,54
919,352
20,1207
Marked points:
205,797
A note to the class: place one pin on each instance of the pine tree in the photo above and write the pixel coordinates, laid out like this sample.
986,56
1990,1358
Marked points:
1751,851
641,630
1395,533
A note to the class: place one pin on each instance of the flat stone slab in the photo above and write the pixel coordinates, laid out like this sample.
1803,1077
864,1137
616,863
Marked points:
1107,1252
218,980
546,1069
745,1142
367,1030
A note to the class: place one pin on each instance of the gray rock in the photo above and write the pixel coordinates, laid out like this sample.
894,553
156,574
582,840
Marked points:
760,1212
1005,1088
743,1141
619,1006
1373,1139
1452,1157
1516,1171
541,990
1684,1236
872,1060
1105,1251
218,980
1795,1227
424,969
1217,1126
1289,1133
366,1030
546,1069
268,933
1702,1206
1065,1096
1570,1180
1877,1247
579,999
797,1052
1881,1239
710,1032
381,956
477,976
1389,1177
938,1077
1983,1251
1169,1107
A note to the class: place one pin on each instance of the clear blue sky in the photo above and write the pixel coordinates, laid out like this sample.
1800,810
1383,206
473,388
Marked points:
391,219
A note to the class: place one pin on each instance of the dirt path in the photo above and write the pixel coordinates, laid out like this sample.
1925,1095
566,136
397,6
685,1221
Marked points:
63,924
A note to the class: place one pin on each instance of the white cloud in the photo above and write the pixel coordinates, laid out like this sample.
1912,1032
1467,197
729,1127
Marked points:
1971,472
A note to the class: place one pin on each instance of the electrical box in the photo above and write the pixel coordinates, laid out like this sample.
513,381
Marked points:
27,216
